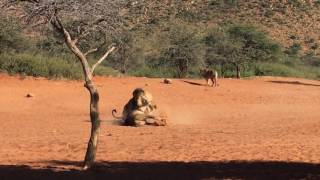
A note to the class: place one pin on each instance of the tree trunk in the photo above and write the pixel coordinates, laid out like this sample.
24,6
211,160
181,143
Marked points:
222,71
123,68
94,100
95,125
238,72
183,68
94,95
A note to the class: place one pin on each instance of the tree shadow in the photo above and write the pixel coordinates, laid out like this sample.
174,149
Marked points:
167,170
115,122
193,83
294,83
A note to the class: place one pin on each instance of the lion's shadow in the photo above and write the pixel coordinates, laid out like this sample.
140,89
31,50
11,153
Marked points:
194,83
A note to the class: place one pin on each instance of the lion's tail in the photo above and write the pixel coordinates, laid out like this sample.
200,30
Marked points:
113,114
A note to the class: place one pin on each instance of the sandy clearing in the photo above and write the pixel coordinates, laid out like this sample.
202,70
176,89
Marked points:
259,119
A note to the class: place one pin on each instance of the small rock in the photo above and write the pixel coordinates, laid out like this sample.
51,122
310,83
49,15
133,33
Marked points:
167,81
29,95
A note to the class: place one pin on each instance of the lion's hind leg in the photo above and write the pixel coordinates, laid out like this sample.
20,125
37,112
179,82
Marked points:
156,121
135,119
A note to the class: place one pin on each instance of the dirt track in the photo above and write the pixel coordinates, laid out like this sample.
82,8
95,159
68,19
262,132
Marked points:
256,120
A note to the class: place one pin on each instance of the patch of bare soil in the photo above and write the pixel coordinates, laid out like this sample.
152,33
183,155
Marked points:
256,128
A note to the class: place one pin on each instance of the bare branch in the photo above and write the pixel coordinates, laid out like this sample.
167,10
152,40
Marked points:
102,58
91,51
73,47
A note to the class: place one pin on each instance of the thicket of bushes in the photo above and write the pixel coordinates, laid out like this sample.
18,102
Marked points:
36,65
45,66
175,49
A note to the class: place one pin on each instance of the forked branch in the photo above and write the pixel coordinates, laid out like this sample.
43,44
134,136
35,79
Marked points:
102,58
90,51
73,47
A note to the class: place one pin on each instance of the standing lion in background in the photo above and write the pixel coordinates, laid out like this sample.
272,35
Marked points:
210,74
139,110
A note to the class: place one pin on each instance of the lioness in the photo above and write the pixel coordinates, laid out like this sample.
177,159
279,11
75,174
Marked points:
139,110
210,74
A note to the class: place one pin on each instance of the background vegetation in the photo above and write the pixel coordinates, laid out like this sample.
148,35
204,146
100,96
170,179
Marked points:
178,45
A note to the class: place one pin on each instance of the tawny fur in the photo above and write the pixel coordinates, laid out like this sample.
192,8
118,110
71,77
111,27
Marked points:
209,74
139,110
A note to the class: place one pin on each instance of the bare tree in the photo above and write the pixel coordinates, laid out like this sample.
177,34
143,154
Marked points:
84,21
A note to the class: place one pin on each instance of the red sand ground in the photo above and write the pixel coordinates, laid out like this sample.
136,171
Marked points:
262,125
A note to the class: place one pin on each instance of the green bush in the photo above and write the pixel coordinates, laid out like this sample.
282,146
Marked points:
104,70
268,69
10,36
50,67
277,69
30,65
294,49
311,60
153,72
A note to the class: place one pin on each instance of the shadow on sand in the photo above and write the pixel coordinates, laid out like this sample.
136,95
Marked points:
115,122
193,83
294,83
167,170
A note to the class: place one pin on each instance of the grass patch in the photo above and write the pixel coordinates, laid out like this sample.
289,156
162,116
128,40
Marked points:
276,69
152,72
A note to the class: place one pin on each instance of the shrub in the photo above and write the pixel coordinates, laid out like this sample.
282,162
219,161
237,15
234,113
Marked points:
50,67
311,60
277,69
182,50
294,49
153,72
10,36
268,69
27,64
104,70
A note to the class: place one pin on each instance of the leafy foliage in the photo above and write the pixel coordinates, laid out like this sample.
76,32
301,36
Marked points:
39,66
294,49
183,49
50,67
10,35
164,39
240,46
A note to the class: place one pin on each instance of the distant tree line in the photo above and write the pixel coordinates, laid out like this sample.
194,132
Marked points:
156,48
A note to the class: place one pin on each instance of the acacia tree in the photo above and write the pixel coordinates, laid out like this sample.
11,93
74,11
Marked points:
87,19
183,51
123,58
239,46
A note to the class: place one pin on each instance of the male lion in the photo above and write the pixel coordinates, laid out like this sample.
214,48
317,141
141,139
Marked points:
210,74
139,110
